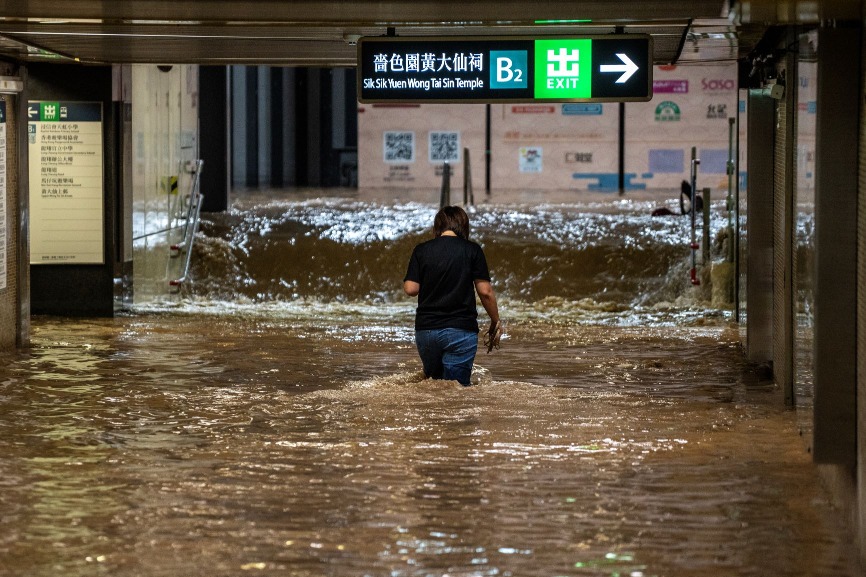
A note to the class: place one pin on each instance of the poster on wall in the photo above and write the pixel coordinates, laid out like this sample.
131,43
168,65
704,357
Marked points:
531,159
66,182
3,209
398,154
444,147
399,147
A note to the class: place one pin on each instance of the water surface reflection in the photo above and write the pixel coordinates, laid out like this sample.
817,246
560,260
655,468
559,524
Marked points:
613,434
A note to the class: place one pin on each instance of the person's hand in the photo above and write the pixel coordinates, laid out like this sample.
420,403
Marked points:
494,333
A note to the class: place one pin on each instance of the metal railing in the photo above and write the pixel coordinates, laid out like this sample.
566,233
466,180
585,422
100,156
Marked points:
693,273
193,212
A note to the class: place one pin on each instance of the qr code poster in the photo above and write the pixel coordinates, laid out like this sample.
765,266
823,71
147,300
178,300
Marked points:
399,147
444,147
531,159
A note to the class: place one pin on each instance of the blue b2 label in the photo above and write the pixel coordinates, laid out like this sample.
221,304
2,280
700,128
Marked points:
508,69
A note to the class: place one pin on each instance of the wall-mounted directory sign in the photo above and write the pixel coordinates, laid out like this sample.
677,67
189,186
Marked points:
613,68
66,182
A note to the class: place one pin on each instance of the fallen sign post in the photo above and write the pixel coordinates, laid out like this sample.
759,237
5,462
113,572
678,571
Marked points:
486,69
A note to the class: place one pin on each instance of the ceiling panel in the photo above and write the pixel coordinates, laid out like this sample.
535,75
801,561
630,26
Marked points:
360,12
268,44
322,33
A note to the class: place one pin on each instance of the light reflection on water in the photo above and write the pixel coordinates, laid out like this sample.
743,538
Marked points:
294,436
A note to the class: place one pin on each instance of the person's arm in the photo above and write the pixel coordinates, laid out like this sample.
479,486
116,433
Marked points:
488,300
411,284
411,288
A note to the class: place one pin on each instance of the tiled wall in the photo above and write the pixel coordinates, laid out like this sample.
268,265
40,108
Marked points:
10,296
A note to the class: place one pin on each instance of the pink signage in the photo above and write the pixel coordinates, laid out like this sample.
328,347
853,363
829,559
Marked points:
533,109
670,86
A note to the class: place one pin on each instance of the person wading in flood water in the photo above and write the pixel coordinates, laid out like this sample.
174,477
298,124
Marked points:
442,273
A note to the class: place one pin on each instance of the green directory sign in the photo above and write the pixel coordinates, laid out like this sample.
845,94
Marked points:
613,68
67,196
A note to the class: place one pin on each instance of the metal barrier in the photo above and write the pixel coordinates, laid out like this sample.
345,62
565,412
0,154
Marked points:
705,248
694,241
193,212
732,174
445,191
468,193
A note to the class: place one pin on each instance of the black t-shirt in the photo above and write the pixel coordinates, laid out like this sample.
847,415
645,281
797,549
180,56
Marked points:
447,268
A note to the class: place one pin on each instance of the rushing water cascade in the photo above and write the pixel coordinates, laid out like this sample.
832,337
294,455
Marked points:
274,421
606,254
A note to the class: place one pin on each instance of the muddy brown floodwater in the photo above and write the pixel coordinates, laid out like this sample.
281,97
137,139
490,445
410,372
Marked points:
274,420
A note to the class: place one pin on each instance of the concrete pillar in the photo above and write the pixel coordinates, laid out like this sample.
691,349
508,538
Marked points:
15,268
215,141
860,478
262,117
837,303
239,142
836,148
278,112
289,131
81,289
783,232
759,229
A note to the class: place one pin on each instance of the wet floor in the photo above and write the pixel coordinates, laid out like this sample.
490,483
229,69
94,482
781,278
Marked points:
292,435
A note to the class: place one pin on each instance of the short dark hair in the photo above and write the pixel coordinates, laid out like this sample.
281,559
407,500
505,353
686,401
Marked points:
452,218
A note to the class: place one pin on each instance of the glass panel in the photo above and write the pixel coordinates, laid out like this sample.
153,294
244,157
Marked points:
164,137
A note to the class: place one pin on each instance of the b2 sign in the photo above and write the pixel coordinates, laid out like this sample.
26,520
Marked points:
614,68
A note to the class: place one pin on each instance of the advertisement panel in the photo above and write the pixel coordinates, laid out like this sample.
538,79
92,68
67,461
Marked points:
408,144
554,146
539,145
691,107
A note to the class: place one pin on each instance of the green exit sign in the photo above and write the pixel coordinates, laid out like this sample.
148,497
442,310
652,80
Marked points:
49,111
563,69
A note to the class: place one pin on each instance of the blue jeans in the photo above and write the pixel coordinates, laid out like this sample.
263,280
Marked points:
447,353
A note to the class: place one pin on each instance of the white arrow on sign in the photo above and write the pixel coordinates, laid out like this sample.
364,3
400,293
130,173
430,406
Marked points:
31,112
627,68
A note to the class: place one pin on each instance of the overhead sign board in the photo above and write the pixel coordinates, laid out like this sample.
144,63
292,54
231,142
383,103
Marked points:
613,68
